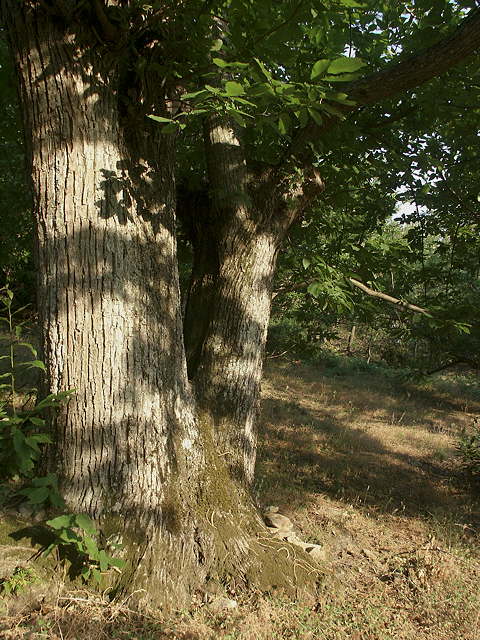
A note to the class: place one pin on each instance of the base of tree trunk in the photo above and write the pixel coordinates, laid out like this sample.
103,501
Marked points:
221,556
212,535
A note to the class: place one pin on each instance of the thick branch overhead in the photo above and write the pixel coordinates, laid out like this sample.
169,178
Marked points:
399,77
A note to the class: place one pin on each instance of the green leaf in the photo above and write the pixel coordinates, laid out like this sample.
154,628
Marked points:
194,94
28,346
264,70
302,116
85,573
346,77
239,119
234,89
284,123
34,364
38,422
50,480
306,263
352,3
316,117
220,63
160,118
103,560
214,90
341,98
41,438
170,128
116,562
48,550
345,65
332,110
217,45
70,537
319,68
96,574
314,289
85,523
91,547
37,495
61,522
238,65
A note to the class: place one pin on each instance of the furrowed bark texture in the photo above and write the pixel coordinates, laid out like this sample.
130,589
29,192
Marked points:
129,449
229,302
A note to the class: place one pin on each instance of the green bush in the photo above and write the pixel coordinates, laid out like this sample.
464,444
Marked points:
468,449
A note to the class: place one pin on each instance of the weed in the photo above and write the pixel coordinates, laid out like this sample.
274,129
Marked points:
76,537
468,449
21,578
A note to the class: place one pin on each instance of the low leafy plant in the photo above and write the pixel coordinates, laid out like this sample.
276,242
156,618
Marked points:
76,538
22,434
22,431
21,578
43,491
468,449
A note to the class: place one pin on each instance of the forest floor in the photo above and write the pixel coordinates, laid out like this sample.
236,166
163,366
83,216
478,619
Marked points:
364,464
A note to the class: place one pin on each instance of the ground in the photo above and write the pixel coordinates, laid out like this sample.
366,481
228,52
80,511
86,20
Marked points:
364,463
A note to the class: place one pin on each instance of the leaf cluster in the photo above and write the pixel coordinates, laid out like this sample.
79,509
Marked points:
76,538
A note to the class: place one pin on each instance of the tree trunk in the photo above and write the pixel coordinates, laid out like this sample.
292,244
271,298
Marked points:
130,448
228,306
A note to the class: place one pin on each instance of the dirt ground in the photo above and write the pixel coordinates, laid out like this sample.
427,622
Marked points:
364,464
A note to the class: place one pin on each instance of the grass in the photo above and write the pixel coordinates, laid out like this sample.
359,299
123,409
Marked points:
364,464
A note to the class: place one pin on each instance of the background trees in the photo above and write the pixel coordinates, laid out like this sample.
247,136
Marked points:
250,98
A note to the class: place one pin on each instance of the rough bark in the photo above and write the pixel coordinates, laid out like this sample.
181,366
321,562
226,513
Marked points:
131,449
236,234
229,300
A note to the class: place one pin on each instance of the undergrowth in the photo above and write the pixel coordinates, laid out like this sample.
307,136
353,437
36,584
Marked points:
23,433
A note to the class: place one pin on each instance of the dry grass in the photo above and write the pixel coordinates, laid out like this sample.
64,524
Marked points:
364,466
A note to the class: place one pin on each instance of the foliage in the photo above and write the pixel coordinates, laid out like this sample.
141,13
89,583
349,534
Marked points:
22,432
468,449
21,578
16,239
21,437
279,68
77,539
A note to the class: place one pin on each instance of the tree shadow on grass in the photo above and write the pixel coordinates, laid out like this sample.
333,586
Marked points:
311,445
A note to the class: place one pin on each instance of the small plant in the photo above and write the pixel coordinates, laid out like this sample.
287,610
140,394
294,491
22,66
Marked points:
468,449
75,537
22,432
43,491
21,577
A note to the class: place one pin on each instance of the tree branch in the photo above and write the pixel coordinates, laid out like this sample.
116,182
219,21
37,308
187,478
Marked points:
109,32
399,304
398,77
384,296
420,67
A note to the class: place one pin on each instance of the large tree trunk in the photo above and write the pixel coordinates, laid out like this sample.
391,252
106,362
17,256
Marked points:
228,306
127,442
236,234
130,448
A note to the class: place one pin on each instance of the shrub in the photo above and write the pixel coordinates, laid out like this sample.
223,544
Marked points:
468,449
